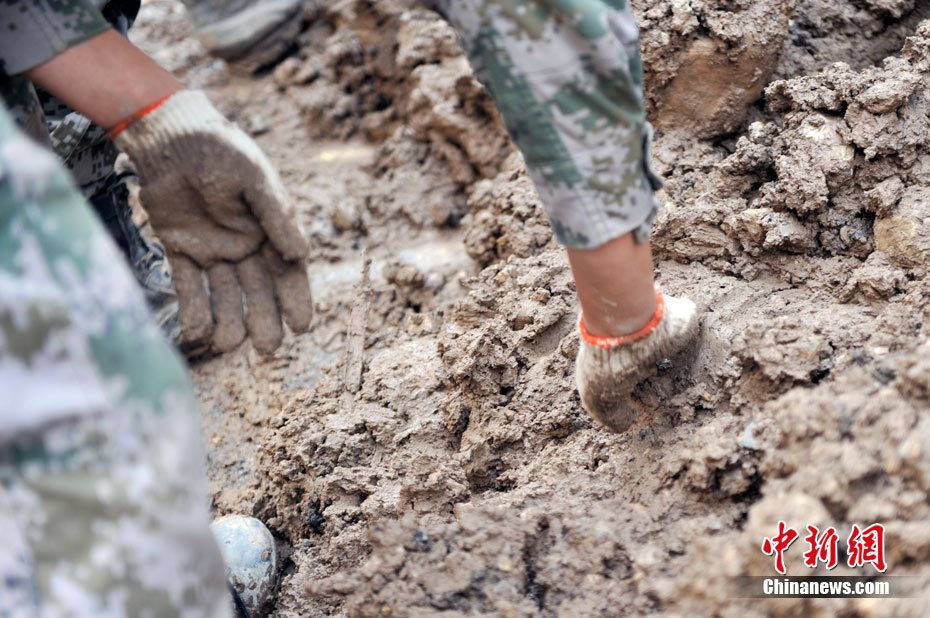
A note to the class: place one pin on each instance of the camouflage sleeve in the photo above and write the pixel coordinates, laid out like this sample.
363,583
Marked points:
34,31
568,80
103,508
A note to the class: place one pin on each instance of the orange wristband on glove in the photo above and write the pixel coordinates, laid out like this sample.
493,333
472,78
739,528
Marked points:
123,124
612,342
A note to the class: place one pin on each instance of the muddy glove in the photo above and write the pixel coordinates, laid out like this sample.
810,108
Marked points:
608,368
221,210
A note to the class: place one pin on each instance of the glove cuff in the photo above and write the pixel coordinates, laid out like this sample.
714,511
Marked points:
608,343
182,113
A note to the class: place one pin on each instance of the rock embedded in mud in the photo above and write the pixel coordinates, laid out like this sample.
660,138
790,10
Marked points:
816,157
904,235
687,232
877,278
889,93
761,229
346,215
712,91
403,275
826,90
885,195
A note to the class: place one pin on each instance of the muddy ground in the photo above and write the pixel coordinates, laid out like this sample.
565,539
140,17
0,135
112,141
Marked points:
423,451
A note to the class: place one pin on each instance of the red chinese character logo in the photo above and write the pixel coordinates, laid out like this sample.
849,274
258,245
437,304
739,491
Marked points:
822,547
778,544
867,546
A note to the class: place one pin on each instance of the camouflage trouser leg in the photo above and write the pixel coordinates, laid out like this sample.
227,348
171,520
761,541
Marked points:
85,148
102,490
567,78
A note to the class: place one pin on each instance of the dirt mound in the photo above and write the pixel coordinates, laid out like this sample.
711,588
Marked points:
706,62
424,452
836,170
397,75
834,174
861,34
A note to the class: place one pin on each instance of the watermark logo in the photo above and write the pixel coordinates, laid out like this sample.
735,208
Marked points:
864,549
821,547
779,544
864,546
867,547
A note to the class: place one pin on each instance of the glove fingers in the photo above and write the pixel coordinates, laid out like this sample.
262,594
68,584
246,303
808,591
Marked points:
292,289
226,298
267,200
193,302
262,318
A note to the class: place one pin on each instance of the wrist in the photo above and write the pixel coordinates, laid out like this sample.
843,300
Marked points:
644,327
105,78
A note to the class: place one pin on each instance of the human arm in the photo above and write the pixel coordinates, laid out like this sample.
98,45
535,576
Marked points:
212,196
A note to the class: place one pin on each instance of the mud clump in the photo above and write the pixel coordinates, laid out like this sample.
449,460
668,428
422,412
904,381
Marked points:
871,428
505,217
707,62
833,173
396,74
861,34
437,460
836,171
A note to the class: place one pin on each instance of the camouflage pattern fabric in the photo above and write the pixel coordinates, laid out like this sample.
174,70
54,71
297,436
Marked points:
90,156
31,37
568,80
20,98
82,145
102,488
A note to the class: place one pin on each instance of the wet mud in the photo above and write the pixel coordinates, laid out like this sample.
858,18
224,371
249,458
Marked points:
423,452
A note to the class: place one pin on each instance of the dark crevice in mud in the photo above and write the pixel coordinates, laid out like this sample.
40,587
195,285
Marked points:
532,552
266,68
752,493
315,521
816,377
618,565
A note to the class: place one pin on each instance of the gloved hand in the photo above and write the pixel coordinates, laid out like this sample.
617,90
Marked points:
219,208
608,368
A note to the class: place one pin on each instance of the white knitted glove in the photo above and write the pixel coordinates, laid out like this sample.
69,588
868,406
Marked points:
608,368
220,208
